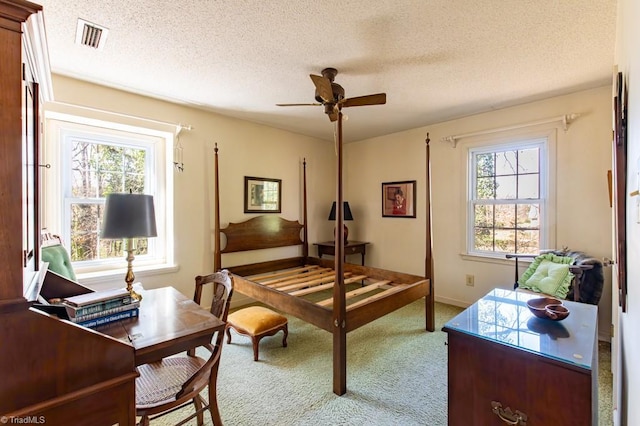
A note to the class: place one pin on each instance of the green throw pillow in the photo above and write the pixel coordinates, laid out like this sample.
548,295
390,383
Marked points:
548,274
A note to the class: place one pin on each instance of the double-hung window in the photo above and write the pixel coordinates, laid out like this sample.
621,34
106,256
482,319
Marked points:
101,158
508,198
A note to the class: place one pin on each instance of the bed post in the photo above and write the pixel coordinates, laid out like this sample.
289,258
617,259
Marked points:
339,304
305,245
217,257
430,299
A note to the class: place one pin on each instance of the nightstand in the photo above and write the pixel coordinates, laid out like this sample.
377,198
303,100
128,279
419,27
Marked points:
351,247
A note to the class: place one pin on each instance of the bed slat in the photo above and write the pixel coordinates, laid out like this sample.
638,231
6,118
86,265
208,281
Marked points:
288,272
297,278
381,295
357,292
328,285
326,278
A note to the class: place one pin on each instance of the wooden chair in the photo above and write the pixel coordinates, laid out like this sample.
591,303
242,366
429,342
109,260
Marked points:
257,322
175,382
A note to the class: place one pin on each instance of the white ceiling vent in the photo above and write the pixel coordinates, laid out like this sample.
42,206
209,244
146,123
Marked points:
90,34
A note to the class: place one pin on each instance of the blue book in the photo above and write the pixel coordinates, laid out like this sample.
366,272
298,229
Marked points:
110,318
104,313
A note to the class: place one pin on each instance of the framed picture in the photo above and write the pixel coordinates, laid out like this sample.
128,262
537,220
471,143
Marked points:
399,199
262,195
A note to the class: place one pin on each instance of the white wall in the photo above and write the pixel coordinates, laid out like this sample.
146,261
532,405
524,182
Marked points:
245,149
627,343
583,214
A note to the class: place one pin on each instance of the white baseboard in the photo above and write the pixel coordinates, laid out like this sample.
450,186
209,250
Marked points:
454,302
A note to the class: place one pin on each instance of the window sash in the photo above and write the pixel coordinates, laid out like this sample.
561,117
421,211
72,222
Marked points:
159,183
473,201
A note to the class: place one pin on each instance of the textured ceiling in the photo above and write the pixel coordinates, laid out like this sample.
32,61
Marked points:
435,59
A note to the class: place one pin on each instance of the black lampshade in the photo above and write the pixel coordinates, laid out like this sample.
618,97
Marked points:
129,216
347,211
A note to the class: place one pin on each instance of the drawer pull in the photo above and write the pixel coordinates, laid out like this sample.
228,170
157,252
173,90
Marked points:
508,416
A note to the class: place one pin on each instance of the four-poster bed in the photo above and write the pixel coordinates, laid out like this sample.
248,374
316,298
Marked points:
294,285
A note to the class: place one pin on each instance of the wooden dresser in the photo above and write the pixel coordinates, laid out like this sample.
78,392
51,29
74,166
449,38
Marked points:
506,366
51,371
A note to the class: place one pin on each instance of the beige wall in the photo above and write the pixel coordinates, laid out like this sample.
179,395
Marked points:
245,149
583,215
626,342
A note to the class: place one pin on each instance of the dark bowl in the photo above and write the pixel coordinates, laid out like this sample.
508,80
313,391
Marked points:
538,306
557,312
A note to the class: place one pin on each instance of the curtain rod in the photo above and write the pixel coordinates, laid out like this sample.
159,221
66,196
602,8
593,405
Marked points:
179,126
564,119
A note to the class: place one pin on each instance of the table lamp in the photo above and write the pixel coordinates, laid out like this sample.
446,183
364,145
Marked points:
129,216
347,216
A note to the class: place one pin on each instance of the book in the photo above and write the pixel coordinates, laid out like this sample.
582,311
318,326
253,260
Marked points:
131,313
75,311
95,297
106,312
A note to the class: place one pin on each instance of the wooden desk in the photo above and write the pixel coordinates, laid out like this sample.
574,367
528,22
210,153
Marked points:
168,323
352,247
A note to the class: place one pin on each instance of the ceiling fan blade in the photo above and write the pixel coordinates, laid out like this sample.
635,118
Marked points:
377,99
313,104
323,87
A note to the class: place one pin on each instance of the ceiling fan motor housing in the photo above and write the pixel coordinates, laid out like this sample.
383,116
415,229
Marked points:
338,93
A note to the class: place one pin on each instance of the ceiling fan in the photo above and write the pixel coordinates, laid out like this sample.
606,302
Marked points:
331,95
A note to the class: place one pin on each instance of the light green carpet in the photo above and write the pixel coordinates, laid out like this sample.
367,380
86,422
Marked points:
396,375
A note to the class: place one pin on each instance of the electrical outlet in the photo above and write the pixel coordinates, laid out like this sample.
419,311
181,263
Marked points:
469,280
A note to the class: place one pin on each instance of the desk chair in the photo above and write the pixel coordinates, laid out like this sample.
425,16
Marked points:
174,382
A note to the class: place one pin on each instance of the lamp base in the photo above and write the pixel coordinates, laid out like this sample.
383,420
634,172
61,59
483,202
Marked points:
346,234
129,278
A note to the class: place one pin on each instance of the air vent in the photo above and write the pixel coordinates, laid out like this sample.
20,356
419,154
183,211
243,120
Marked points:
91,35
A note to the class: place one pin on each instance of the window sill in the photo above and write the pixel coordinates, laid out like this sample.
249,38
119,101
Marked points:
99,278
492,259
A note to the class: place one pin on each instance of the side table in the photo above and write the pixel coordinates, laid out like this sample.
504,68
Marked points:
351,247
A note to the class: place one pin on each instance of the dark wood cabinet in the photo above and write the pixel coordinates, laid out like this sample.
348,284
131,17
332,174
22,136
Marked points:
52,371
504,365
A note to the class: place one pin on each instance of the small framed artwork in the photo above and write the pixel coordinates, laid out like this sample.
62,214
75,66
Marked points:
399,199
262,195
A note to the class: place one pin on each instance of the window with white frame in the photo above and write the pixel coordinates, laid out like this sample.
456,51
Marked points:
508,198
98,158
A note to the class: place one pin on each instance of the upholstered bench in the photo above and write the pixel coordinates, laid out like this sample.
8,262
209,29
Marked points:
257,322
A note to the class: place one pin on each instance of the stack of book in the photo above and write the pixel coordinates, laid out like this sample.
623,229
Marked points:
101,307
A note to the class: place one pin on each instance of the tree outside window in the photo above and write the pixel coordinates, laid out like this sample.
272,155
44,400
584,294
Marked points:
98,169
507,198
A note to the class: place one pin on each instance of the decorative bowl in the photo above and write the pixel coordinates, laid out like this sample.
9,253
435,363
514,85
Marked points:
538,306
557,312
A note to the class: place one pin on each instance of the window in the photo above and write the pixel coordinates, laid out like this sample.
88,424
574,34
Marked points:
100,158
507,204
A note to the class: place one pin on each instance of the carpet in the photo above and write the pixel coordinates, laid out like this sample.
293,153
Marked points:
396,375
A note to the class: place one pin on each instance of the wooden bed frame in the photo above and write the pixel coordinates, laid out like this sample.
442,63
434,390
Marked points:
288,284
